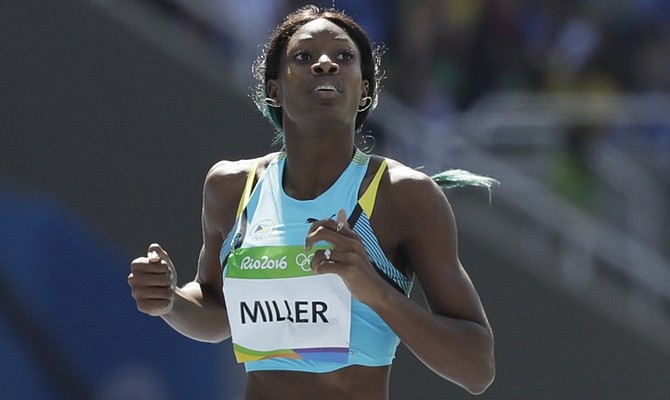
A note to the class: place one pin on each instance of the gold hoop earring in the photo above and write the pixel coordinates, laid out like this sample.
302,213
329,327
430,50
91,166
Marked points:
271,102
368,103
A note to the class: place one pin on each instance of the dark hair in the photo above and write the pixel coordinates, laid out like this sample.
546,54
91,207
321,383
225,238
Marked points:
267,65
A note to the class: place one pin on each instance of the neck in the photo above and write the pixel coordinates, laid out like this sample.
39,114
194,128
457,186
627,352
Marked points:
315,162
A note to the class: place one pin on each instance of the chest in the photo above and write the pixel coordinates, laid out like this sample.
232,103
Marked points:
274,218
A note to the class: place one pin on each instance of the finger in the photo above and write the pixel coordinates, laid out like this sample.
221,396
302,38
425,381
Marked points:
155,250
341,221
153,257
145,266
330,223
329,235
321,258
342,217
328,256
321,265
139,278
320,224
320,234
320,229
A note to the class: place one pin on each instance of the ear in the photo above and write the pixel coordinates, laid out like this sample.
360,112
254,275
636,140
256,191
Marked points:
365,88
272,89
363,101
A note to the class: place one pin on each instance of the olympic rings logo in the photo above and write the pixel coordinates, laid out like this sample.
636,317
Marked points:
304,261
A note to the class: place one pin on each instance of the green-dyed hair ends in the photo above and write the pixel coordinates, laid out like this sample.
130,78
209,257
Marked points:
455,178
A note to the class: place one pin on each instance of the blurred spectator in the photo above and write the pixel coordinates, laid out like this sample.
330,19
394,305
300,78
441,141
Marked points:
249,22
651,69
376,16
572,176
443,55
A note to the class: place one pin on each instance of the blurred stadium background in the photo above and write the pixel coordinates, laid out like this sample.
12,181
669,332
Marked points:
113,110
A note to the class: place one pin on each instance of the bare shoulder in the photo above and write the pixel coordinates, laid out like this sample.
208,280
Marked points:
413,218
223,187
230,176
226,171
419,206
409,185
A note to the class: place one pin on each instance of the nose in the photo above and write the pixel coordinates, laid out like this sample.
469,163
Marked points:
325,65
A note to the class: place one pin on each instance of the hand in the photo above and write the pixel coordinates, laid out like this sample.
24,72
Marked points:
346,257
153,280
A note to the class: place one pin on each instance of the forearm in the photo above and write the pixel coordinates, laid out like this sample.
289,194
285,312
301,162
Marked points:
195,315
456,349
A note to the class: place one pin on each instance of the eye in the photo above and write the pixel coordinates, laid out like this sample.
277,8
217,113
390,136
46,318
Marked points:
301,56
347,55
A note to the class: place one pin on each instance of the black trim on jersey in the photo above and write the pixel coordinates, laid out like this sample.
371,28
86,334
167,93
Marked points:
355,214
353,218
388,279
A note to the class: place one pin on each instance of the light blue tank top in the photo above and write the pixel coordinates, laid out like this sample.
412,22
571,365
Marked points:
269,217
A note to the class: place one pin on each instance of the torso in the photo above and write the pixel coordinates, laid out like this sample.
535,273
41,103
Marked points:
385,219
352,383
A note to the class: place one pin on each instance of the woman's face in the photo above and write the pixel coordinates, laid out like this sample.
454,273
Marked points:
319,75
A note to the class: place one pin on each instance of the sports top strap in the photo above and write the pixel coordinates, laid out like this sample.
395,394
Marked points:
367,200
248,187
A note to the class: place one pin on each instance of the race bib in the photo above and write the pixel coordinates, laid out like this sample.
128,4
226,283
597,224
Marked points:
277,307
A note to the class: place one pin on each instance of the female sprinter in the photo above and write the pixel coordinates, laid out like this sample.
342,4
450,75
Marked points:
309,254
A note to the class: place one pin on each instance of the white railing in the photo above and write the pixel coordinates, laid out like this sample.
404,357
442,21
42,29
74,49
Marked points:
542,119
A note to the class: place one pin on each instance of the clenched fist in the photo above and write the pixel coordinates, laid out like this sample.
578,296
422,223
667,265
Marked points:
153,280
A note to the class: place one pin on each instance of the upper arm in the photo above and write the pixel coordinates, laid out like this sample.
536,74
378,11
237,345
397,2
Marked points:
430,247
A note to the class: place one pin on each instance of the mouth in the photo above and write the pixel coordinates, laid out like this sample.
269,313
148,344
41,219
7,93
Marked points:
327,88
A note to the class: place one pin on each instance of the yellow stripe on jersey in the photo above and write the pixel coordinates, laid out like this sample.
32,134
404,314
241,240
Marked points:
367,200
248,187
